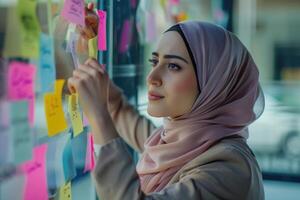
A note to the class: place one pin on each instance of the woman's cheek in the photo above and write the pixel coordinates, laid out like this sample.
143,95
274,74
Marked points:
185,85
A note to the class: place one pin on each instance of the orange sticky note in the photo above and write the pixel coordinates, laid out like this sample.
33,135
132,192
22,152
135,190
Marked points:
55,117
76,119
65,192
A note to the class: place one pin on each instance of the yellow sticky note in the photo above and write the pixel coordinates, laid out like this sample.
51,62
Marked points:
65,192
55,117
30,29
73,108
93,47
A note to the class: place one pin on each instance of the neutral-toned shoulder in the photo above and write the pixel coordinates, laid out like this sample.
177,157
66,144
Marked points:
228,169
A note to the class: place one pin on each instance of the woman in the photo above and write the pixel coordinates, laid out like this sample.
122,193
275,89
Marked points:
205,84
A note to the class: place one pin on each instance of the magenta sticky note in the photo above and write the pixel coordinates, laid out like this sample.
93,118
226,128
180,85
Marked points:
102,30
21,78
125,36
35,171
21,84
89,160
73,11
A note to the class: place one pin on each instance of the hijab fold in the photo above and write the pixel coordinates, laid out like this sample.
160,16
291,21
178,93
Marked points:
227,104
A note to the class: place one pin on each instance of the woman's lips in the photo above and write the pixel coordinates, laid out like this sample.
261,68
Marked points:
154,96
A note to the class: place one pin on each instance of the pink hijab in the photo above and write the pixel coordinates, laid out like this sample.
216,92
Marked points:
230,99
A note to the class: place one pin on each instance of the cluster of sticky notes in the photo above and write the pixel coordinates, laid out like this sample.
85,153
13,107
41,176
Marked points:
20,83
73,11
35,171
75,115
55,117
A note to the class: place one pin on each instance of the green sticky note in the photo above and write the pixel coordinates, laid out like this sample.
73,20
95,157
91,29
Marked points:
30,28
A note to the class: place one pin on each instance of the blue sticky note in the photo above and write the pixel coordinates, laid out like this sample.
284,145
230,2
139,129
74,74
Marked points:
79,147
60,164
21,131
6,143
47,63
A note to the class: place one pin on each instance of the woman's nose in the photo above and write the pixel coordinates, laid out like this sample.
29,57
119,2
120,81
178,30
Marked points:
154,78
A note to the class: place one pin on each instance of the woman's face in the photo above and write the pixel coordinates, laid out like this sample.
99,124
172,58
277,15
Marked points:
172,83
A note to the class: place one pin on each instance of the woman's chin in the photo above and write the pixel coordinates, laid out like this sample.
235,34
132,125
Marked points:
155,112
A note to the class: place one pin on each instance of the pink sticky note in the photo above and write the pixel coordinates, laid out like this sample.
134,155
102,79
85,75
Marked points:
35,171
125,36
73,11
102,30
89,159
21,82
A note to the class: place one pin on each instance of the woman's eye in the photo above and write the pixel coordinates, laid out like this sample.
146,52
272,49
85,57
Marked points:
174,67
153,62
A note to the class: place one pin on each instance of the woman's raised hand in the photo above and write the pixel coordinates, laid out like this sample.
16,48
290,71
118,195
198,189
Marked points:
91,82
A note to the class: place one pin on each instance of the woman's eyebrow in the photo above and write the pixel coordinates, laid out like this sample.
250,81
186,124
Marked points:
171,56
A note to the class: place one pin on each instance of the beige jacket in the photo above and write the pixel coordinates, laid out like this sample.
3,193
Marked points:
228,170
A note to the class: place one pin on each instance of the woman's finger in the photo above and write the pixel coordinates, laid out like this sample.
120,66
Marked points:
80,74
91,71
72,85
90,6
94,63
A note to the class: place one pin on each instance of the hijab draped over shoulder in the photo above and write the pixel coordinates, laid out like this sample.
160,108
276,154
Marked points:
229,100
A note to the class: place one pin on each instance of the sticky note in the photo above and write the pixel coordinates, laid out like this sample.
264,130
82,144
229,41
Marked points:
75,115
79,148
102,30
65,192
12,187
12,42
60,163
35,171
93,47
21,131
90,159
73,11
21,78
6,138
30,29
47,70
55,118
20,86
71,47
125,36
